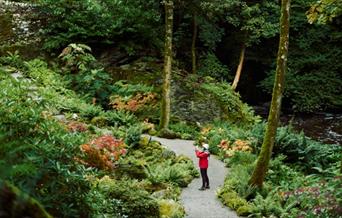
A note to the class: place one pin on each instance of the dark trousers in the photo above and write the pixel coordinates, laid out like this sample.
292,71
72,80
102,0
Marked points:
205,179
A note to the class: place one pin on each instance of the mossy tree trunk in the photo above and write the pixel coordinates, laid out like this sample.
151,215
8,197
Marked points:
166,99
15,203
239,69
193,44
261,168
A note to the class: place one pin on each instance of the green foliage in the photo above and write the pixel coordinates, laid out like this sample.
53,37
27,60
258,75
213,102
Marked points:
254,20
42,156
233,108
120,118
313,81
104,21
300,149
12,59
269,206
210,65
324,11
178,173
210,33
170,209
123,88
243,158
43,159
133,135
185,130
85,77
125,198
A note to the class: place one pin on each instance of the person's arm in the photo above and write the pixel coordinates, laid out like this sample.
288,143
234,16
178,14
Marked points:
201,154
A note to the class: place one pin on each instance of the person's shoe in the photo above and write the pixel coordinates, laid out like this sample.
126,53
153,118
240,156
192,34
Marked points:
202,189
207,187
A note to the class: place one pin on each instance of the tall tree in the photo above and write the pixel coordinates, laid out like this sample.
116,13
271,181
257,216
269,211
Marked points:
193,44
251,20
261,168
239,68
166,100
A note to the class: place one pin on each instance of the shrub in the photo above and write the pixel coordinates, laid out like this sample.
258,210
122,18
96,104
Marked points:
177,174
300,149
211,66
129,199
170,209
103,151
139,99
186,131
85,77
133,135
120,118
234,110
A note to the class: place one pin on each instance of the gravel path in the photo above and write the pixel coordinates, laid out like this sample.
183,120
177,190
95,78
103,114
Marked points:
201,204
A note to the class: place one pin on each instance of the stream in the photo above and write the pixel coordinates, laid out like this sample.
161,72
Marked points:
324,127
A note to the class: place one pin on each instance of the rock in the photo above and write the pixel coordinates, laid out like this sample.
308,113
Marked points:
60,117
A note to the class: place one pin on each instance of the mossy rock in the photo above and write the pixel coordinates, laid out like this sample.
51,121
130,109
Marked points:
144,141
99,121
170,209
168,134
168,154
152,132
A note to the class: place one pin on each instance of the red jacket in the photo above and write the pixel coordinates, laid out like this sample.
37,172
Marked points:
203,159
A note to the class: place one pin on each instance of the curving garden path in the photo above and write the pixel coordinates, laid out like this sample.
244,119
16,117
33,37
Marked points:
200,204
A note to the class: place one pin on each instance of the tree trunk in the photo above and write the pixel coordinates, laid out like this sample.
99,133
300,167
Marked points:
239,69
261,168
193,45
165,107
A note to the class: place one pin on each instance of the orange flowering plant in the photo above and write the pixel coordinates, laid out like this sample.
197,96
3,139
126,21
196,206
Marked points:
104,151
132,103
230,149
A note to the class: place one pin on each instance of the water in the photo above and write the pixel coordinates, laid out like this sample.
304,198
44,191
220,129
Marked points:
324,127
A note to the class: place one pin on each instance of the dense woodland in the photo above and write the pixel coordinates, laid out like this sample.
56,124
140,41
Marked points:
83,83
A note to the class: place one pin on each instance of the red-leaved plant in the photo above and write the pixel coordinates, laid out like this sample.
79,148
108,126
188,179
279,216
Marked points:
103,152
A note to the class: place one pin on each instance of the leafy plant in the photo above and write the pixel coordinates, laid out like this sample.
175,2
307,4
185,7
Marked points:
127,196
210,65
233,109
86,77
103,151
186,131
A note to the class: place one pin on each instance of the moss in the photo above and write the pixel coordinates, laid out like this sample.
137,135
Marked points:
169,134
99,121
15,203
152,132
144,141
170,209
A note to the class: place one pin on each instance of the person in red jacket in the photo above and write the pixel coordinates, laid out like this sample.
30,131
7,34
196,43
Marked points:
203,156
